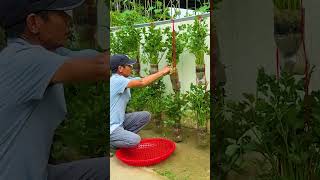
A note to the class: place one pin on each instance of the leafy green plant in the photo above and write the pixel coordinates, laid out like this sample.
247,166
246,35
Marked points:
83,133
287,4
174,105
127,18
199,102
287,16
179,43
154,45
196,39
204,8
161,12
139,99
278,130
126,41
227,132
155,101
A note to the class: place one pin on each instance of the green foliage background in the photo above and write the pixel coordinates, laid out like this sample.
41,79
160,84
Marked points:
84,134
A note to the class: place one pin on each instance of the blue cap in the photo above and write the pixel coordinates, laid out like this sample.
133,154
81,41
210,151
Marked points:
13,12
120,60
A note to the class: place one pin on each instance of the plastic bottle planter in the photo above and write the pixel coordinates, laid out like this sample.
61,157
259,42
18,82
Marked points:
200,74
137,67
153,68
287,31
177,134
175,82
158,125
202,136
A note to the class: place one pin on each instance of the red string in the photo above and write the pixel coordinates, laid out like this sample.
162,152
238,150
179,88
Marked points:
174,64
213,51
204,66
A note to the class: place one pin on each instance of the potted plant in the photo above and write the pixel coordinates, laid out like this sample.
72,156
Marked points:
196,43
139,99
174,105
199,102
154,47
179,47
154,103
287,26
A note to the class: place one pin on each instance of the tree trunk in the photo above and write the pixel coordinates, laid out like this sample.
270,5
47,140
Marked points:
200,74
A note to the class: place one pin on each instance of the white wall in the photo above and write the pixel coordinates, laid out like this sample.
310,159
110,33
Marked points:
313,38
245,34
186,66
245,31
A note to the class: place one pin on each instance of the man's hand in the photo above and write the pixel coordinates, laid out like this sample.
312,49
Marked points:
166,70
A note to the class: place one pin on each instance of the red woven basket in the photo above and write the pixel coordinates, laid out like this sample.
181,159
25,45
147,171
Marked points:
148,152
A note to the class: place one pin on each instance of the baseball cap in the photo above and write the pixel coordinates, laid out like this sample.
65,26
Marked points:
120,60
13,12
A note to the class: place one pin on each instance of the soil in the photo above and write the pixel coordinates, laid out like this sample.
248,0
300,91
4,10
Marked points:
188,162
120,171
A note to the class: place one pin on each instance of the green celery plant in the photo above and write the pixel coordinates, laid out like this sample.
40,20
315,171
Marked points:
139,99
127,18
228,126
154,103
287,4
287,16
179,43
196,39
127,40
278,130
174,106
154,45
199,102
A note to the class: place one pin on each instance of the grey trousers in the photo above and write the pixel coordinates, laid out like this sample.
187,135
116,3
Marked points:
89,169
125,136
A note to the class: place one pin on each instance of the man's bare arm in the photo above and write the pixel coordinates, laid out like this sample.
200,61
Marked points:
85,69
148,79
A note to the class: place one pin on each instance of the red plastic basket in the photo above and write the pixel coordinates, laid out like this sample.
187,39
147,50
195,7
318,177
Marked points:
148,152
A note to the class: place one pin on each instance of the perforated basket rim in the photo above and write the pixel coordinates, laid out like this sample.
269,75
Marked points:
152,161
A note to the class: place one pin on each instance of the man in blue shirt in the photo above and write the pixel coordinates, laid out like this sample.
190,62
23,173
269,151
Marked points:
33,68
124,127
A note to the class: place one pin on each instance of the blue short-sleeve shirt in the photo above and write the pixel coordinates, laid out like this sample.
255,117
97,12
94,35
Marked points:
30,108
119,98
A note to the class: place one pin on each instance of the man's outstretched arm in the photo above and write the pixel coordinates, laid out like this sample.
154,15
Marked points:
148,79
83,69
